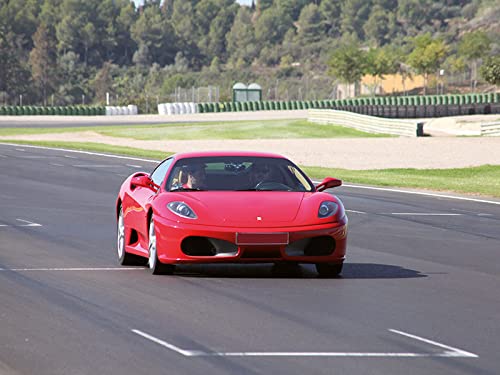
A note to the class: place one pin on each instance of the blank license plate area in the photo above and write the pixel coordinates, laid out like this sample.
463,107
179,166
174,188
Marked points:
262,238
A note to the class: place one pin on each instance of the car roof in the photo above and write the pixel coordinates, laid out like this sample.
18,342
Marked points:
200,154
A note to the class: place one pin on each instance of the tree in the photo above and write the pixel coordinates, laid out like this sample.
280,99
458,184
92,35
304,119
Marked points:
291,8
347,63
474,46
380,26
102,82
427,55
240,39
354,15
330,13
219,27
42,61
271,27
73,79
154,31
14,75
310,28
379,62
490,70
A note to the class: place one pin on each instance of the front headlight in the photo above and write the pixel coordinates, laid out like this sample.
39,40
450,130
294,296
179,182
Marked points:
327,209
182,209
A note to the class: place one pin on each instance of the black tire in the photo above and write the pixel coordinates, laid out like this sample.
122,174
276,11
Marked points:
329,269
155,266
124,258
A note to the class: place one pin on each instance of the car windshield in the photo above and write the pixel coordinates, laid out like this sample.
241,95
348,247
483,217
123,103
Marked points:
237,173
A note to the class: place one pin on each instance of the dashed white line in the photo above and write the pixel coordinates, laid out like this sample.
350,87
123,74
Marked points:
70,157
356,212
57,164
133,165
20,149
95,166
419,214
29,223
450,352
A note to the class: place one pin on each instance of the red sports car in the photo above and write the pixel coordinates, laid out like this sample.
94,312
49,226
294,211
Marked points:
208,207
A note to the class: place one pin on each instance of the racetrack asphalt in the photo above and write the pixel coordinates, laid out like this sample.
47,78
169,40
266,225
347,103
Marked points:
426,267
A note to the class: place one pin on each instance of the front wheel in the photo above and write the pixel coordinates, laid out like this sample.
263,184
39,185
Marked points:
329,269
155,266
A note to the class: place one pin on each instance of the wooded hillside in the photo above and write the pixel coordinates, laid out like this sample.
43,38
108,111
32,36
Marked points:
73,51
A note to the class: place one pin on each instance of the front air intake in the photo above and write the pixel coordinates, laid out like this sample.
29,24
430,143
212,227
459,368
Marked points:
315,246
207,247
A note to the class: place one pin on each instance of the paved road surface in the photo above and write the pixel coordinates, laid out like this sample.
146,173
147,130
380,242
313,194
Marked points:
419,294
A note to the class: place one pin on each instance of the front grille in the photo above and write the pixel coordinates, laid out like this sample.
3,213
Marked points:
206,246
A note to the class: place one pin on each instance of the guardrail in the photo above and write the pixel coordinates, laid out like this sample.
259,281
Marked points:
490,128
370,124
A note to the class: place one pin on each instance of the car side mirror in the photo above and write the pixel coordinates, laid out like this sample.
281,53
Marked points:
143,181
328,183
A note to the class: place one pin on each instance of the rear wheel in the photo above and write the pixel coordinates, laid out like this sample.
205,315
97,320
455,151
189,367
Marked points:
155,266
329,269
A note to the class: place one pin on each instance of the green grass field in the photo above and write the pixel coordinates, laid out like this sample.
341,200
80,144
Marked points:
484,180
277,129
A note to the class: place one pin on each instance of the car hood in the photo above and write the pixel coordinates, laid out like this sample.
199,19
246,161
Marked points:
249,209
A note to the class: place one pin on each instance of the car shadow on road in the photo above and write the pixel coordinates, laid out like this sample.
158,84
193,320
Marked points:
294,271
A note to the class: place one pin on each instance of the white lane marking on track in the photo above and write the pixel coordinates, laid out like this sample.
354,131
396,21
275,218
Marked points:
345,185
85,152
450,352
356,212
96,165
419,214
422,193
458,352
28,223
165,344
73,269
20,149
70,157
57,164
133,165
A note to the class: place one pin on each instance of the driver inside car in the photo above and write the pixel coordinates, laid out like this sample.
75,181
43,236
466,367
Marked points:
196,177
259,173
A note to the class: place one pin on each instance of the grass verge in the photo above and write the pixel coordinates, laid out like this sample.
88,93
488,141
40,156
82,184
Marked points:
269,129
483,180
